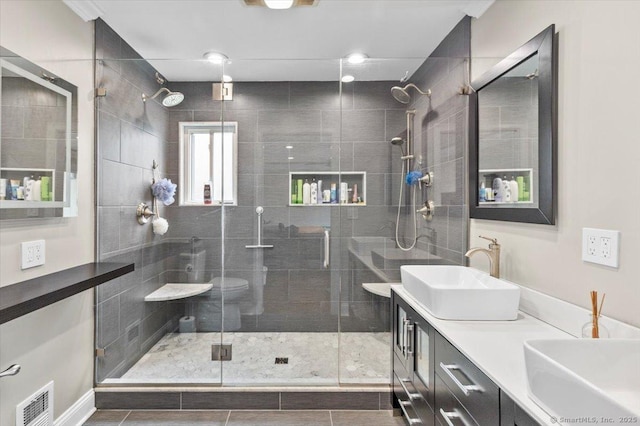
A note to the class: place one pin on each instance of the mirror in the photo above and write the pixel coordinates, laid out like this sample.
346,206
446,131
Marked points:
38,141
513,128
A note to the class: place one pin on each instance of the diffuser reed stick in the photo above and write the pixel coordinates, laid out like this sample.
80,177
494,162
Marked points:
594,314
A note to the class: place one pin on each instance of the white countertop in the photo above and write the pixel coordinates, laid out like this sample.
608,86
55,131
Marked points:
496,348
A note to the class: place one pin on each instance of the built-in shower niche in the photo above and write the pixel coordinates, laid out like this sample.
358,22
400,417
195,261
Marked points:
332,189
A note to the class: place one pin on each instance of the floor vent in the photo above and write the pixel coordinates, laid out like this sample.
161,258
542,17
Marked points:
282,360
37,410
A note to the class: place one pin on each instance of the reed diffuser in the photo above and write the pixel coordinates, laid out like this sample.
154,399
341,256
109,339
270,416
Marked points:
593,329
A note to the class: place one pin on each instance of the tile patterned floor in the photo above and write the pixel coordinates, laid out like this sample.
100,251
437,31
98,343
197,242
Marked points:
313,359
243,418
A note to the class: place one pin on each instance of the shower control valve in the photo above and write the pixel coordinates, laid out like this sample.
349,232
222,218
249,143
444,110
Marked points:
428,210
426,180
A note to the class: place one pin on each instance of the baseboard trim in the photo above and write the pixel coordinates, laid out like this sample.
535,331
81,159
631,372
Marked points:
79,412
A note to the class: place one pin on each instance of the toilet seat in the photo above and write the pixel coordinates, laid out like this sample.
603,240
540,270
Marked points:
230,284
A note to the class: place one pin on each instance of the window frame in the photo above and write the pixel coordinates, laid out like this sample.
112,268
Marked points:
186,129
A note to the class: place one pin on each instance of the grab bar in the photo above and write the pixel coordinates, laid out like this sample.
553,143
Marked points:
259,211
327,247
11,371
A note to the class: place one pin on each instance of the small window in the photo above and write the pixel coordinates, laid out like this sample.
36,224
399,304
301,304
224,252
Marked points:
208,156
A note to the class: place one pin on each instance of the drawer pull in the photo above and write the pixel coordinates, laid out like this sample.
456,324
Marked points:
409,340
466,389
448,415
412,395
411,421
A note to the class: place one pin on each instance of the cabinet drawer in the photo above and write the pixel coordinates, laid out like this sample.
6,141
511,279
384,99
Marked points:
449,411
473,389
414,406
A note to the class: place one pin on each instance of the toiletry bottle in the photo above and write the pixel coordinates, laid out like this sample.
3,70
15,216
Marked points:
513,186
207,192
3,189
354,199
294,191
319,192
299,189
481,193
326,196
314,191
44,188
507,190
498,190
344,193
334,194
306,192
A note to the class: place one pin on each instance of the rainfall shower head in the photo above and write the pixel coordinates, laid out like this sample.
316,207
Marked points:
171,99
401,94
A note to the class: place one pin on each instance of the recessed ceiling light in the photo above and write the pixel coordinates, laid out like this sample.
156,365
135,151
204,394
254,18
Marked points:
278,4
215,57
347,78
289,158
227,78
289,147
356,58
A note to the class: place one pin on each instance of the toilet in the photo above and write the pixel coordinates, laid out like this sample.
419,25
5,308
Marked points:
233,290
230,298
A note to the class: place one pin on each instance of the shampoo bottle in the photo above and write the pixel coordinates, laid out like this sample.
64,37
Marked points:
306,192
319,192
482,193
498,190
513,186
314,191
334,194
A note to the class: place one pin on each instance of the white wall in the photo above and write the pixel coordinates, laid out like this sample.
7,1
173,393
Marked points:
598,145
54,343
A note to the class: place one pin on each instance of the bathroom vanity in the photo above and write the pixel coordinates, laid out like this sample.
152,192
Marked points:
462,372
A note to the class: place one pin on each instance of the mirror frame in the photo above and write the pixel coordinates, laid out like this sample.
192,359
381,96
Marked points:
545,45
68,206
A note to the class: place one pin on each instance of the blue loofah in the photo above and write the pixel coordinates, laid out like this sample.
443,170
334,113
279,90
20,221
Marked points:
413,177
164,190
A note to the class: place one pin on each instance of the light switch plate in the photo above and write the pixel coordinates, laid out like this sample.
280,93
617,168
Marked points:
601,246
32,254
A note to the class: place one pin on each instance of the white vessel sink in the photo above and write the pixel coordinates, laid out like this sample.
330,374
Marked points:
461,293
584,379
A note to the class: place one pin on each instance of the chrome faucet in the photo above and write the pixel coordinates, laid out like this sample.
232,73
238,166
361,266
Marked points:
493,254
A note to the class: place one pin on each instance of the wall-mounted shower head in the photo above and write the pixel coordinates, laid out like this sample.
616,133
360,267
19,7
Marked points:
170,100
401,94
398,141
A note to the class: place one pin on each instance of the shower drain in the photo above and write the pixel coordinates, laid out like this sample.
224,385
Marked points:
282,360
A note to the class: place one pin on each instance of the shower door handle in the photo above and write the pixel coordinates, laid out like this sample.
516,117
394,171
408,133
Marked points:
327,248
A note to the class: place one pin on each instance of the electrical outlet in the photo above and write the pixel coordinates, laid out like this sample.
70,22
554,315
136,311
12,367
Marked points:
605,247
592,245
32,254
600,246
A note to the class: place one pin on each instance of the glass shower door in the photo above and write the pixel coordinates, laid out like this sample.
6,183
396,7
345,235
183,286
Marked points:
278,239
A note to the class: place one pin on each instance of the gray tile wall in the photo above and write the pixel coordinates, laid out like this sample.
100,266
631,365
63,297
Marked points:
441,136
131,134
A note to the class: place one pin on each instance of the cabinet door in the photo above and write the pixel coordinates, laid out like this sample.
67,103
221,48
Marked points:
423,361
403,338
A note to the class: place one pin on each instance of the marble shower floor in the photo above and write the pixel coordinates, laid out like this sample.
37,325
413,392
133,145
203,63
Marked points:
313,359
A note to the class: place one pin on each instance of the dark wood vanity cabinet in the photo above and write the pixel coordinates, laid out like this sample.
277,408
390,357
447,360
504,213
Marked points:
512,415
413,373
435,384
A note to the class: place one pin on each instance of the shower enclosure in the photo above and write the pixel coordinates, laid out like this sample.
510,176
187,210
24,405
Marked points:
280,276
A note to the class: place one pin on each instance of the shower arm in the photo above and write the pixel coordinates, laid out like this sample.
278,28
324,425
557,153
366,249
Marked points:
155,95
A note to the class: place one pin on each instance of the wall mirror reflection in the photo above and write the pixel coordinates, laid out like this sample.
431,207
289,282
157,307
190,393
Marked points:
38,141
513,137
